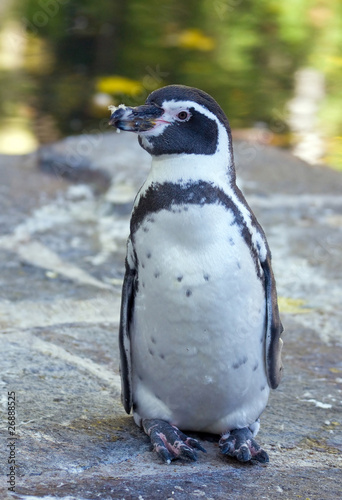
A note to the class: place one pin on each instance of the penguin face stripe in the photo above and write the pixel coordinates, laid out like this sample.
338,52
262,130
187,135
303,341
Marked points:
202,109
197,135
164,196
182,94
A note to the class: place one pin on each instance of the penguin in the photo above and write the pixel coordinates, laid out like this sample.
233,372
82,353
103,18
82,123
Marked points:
200,331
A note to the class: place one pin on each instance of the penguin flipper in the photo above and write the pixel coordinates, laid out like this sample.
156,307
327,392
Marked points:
274,328
127,304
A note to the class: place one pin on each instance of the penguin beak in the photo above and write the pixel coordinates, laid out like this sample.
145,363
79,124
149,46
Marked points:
138,119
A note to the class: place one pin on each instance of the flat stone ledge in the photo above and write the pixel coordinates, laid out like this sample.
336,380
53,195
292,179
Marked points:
62,247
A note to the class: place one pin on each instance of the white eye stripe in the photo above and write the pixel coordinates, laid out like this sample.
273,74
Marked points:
174,107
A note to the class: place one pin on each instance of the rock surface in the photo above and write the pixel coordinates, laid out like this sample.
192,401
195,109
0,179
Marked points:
62,248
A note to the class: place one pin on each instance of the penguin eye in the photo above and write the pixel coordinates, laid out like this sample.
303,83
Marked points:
183,115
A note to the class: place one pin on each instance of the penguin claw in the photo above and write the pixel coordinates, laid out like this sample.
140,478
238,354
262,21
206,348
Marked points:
240,444
261,456
243,454
169,442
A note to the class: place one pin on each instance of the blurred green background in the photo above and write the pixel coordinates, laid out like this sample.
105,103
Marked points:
62,62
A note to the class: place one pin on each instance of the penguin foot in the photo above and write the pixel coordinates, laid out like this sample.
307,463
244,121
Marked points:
169,442
240,444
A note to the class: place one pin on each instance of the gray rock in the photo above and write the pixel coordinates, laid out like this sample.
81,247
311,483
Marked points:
62,249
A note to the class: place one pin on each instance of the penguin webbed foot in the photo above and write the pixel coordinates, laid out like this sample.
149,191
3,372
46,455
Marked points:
240,443
169,442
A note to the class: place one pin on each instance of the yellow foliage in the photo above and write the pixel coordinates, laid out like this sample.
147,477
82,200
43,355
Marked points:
118,85
292,306
334,152
335,60
193,39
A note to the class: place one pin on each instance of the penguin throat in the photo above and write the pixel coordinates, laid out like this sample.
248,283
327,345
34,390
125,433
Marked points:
217,167
184,168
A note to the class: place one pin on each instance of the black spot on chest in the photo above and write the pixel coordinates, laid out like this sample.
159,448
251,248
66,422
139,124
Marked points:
240,362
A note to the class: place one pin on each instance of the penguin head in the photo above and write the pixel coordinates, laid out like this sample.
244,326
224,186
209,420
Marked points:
177,120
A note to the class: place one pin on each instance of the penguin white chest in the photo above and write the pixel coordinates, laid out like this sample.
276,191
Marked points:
199,321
